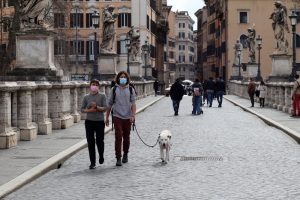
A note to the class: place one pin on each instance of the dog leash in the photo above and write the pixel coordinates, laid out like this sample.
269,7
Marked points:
134,127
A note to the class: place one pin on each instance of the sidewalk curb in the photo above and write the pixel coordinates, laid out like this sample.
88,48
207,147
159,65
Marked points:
295,135
54,162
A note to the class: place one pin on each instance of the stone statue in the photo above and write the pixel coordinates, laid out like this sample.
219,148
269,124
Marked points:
237,58
34,12
108,30
134,47
251,44
280,27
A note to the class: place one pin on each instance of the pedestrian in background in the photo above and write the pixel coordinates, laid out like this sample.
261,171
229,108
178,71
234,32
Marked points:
251,91
220,90
262,88
210,88
122,101
155,87
296,97
176,94
197,97
94,105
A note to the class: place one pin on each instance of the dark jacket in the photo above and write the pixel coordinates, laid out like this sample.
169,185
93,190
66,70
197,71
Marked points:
177,91
198,85
210,85
251,88
220,85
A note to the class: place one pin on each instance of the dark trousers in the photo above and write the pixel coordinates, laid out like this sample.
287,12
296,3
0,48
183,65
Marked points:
262,102
92,127
176,104
122,135
220,97
252,99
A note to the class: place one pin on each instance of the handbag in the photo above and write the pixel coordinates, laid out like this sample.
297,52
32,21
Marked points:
257,93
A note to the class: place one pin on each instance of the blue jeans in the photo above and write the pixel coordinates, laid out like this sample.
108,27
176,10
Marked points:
197,105
220,97
176,104
210,97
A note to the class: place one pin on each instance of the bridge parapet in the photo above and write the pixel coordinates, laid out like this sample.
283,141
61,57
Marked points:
28,109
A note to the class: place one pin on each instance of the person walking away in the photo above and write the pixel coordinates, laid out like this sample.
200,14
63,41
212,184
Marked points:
205,92
197,97
262,88
251,91
94,105
155,87
210,88
176,94
220,90
296,97
122,102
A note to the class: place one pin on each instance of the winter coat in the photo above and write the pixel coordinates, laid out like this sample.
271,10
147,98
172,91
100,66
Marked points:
198,85
176,91
251,88
262,91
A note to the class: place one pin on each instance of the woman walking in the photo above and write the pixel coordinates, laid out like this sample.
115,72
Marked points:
262,88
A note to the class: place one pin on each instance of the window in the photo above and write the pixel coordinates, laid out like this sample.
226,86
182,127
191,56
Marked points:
79,47
191,58
243,17
59,20
76,20
212,28
181,47
181,58
124,20
181,35
59,47
90,49
171,54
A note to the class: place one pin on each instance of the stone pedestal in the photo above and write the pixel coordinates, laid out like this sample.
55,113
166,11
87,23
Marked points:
252,69
107,66
34,57
135,69
281,67
28,129
8,138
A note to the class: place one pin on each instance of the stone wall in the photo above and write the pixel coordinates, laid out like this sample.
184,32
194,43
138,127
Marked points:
29,109
279,94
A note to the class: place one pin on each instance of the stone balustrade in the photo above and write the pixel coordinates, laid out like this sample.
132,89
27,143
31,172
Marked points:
29,109
278,94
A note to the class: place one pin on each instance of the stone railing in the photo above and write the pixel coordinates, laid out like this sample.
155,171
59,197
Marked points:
278,94
28,109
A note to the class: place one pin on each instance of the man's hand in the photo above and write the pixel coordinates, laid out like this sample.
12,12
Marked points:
107,122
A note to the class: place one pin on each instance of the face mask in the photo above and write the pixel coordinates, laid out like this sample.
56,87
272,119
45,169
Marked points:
94,88
123,81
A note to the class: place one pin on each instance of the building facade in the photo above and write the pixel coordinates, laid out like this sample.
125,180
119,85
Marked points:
229,21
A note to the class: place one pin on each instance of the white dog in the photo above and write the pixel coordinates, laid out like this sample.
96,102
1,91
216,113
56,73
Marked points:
165,145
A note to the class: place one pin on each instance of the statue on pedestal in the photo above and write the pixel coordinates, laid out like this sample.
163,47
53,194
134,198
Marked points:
34,13
280,27
251,44
108,29
134,46
237,53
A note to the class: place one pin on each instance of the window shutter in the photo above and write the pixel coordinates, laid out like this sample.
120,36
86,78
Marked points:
71,20
119,20
129,19
118,47
81,47
87,20
81,20
87,50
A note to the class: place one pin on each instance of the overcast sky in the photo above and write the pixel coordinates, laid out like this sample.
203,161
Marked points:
187,5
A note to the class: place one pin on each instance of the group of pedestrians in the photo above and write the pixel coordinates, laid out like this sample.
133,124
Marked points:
208,90
122,103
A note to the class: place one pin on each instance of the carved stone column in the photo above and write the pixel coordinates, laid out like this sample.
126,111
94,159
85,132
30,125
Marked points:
60,105
287,97
74,102
82,91
28,129
281,96
40,110
268,100
8,134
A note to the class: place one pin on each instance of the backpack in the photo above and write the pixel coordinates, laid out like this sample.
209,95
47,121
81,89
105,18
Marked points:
196,91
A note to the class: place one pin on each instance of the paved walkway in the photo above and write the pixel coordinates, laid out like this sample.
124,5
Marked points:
30,159
225,154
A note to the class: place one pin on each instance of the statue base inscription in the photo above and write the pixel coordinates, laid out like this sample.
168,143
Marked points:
281,67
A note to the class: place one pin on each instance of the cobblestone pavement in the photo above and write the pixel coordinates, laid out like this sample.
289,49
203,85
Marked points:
230,154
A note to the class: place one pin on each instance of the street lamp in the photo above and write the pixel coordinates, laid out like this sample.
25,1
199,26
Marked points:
259,42
127,43
95,21
146,51
239,51
293,19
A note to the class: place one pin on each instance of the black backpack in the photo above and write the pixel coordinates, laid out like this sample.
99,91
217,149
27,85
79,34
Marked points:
131,89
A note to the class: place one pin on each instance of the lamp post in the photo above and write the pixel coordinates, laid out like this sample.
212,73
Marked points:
95,20
127,42
259,42
239,51
146,51
293,18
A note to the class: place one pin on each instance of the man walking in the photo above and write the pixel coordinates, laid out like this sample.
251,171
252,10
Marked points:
220,90
176,94
251,91
122,101
197,97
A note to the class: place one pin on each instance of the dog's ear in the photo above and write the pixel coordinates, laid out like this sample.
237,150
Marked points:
169,136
